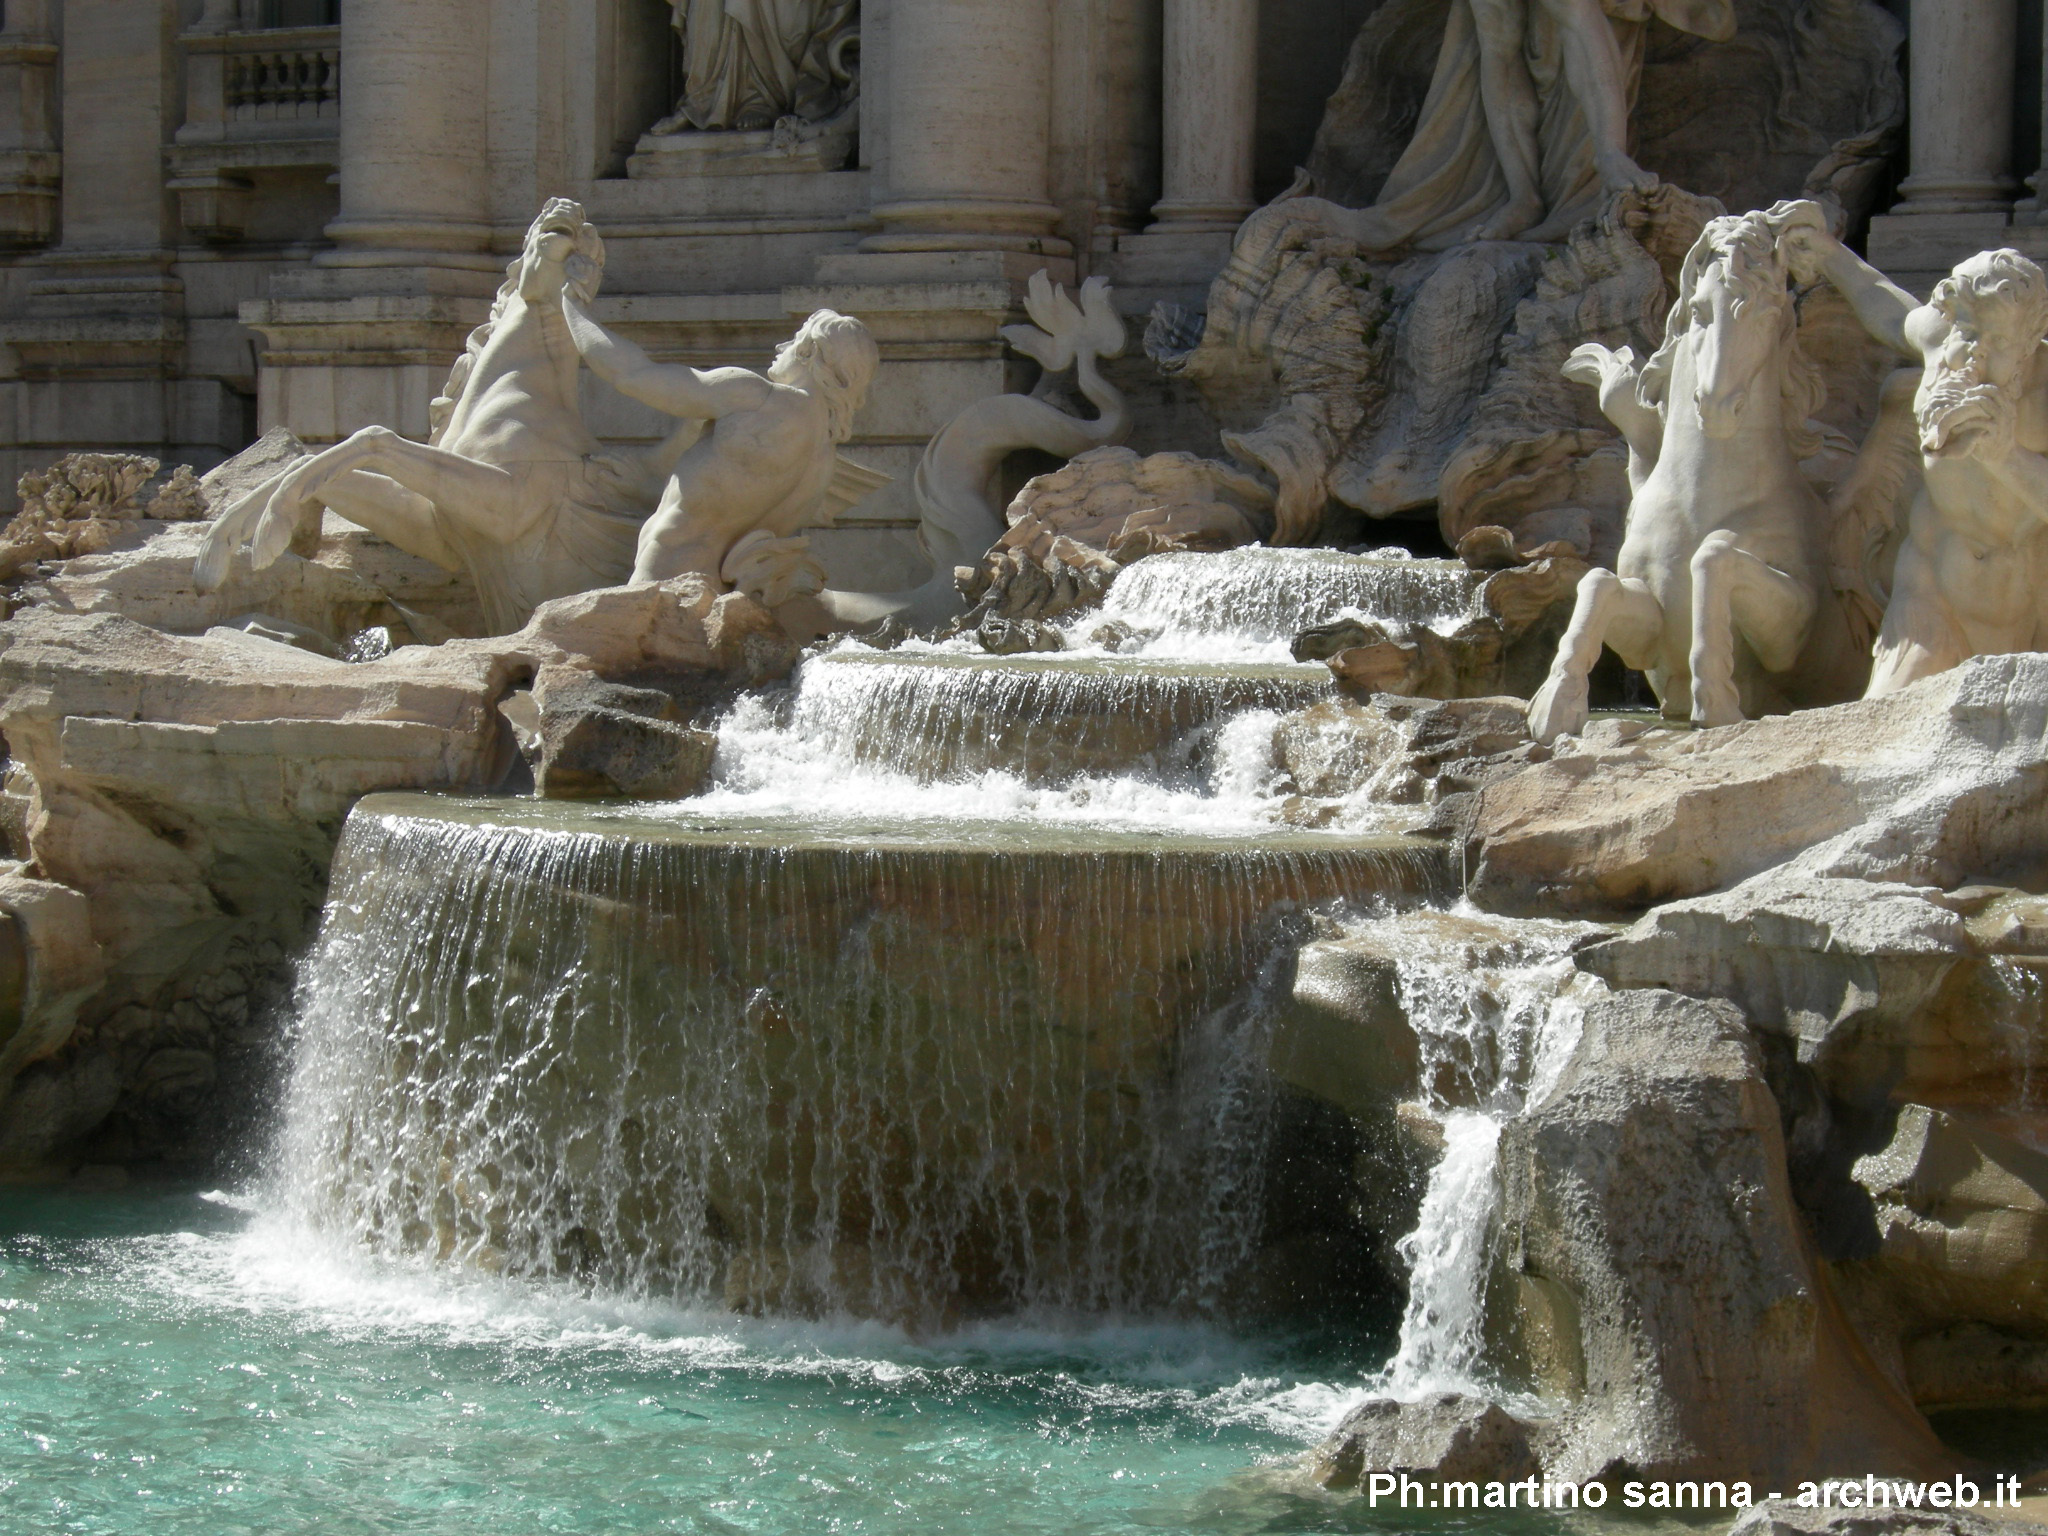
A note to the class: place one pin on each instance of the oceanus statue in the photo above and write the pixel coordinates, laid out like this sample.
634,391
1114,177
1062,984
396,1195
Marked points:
1725,592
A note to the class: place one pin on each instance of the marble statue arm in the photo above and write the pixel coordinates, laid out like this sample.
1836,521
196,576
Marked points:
671,388
1880,305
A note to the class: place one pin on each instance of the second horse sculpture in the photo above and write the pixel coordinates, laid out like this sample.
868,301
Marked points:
1722,594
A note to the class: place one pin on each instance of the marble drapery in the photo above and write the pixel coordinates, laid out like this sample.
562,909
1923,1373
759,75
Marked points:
1449,181
749,63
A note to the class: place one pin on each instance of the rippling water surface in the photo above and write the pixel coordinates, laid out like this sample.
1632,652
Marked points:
171,1362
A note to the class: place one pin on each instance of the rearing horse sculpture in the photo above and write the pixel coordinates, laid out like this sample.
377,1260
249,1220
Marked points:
1722,593
510,488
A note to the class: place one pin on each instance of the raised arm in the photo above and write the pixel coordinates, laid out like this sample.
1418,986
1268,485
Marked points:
671,388
1881,306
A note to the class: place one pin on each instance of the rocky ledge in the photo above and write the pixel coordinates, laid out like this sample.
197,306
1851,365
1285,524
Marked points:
173,801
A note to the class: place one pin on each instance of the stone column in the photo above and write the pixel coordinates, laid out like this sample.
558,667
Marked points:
1963,57
1211,109
2034,209
415,184
970,109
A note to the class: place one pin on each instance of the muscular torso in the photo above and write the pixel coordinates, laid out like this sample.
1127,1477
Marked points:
765,467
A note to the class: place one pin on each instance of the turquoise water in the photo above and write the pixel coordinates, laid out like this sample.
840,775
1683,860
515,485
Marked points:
173,1362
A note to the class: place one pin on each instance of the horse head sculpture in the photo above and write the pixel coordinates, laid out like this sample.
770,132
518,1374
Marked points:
1735,321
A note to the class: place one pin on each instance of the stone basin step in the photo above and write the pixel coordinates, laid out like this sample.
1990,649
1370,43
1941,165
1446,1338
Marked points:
893,1069
1268,596
935,715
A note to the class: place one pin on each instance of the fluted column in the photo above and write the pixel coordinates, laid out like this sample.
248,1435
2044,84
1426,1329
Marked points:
1211,110
970,110
1963,58
415,186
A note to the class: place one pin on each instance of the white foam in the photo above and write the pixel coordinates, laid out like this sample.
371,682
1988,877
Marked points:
274,1270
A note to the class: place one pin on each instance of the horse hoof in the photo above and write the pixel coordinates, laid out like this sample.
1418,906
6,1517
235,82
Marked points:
1713,711
1559,709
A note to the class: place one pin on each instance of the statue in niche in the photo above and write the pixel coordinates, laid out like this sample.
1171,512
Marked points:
762,458
510,488
1725,592
1525,130
749,64
1969,423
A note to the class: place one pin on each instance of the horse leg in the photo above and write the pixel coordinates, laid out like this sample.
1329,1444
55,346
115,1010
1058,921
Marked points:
1609,610
389,510
468,491
480,495
1734,590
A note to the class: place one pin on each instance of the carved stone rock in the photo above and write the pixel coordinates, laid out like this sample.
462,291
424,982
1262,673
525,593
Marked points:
1932,785
1071,531
1445,1437
587,739
1645,1204
190,790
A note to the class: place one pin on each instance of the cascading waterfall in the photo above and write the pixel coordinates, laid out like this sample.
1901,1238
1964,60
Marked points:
926,716
947,997
1496,1005
1065,740
1256,600
800,1069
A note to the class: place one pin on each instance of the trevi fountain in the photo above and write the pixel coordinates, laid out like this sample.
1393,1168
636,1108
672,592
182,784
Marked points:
1080,766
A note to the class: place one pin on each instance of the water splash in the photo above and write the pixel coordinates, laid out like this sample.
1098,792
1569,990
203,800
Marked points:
911,720
1248,603
1496,1005
904,1071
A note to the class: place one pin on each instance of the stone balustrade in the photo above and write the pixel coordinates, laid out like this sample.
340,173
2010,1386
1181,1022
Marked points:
270,84
255,101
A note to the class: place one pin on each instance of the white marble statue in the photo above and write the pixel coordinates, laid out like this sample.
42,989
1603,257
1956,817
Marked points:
1724,591
1971,576
511,488
1525,129
960,512
763,456
749,63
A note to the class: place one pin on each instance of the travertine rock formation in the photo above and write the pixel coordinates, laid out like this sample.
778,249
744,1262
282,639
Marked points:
74,507
190,790
1648,1218
1395,750
1933,785
1071,531
1446,1436
1788,1517
1501,647
586,739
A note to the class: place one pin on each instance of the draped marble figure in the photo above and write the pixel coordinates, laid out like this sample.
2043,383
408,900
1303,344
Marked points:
1526,125
749,63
